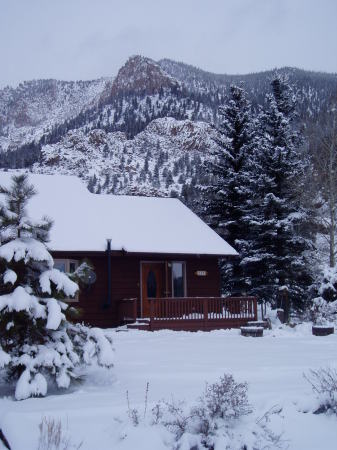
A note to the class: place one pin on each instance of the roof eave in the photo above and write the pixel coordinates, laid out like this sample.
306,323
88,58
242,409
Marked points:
124,252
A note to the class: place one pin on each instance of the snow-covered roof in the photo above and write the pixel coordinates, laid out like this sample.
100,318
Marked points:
83,221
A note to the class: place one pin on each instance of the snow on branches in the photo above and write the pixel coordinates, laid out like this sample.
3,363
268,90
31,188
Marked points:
25,249
38,345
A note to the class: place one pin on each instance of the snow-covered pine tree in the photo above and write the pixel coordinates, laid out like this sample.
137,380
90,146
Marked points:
37,343
230,195
282,224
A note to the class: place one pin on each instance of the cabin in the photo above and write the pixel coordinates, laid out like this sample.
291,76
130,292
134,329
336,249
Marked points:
155,263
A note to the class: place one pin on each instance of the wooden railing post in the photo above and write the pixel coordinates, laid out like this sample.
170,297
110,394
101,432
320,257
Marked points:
151,312
255,308
119,315
135,309
205,307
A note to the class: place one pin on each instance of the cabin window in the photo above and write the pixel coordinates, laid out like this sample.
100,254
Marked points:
151,285
60,265
67,266
178,279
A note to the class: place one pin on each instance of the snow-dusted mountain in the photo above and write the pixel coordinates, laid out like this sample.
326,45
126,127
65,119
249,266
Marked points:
158,161
31,110
142,75
144,131
313,88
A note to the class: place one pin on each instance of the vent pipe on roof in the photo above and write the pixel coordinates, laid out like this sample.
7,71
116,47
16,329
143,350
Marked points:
108,251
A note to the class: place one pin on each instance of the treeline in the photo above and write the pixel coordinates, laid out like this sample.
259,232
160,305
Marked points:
269,196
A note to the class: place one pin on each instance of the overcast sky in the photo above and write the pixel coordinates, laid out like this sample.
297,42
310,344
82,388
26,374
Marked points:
86,39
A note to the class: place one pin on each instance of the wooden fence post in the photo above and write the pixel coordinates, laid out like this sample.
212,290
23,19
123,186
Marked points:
151,312
135,309
205,307
255,308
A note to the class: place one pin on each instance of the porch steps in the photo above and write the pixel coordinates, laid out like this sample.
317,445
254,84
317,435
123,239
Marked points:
140,324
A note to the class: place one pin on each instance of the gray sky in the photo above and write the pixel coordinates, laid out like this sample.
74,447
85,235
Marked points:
86,39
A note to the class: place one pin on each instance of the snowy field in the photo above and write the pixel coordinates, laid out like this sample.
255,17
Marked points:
178,364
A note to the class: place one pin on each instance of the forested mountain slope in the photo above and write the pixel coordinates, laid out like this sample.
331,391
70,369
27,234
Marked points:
144,131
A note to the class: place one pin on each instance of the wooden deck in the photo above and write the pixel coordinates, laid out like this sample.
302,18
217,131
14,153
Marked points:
192,313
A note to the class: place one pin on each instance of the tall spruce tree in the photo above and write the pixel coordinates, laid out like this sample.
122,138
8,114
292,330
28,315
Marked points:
281,222
38,344
230,193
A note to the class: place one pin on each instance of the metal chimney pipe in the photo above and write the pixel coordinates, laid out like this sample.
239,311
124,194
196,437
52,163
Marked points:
108,250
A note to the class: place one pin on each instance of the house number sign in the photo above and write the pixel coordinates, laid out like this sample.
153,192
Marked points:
201,273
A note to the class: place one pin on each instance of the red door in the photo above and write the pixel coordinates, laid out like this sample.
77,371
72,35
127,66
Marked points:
152,284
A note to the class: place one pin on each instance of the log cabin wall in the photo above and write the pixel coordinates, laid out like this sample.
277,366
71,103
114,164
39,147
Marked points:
203,286
125,281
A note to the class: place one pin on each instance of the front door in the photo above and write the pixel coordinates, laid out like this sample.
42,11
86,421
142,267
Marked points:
153,276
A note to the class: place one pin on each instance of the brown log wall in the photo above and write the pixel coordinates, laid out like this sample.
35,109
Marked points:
125,281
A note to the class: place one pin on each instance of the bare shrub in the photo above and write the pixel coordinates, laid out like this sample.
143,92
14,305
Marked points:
269,437
134,416
324,384
146,398
221,402
172,415
225,399
133,413
53,436
157,414
213,422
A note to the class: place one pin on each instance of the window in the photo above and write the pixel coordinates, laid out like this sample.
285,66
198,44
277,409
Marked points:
67,266
178,279
61,265
151,285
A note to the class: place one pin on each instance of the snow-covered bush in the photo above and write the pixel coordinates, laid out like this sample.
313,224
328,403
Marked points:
324,384
221,404
328,286
217,421
323,312
37,342
225,399
173,415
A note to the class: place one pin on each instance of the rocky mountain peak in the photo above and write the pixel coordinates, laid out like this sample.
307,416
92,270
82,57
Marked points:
142,75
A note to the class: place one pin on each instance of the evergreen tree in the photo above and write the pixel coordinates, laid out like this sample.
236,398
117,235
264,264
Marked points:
230,194
169,179
156,176
146,162
37,342
92,183
282,224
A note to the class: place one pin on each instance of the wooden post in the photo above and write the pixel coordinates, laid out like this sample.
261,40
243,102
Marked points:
255,308
151,312
166,279
135,309
205,307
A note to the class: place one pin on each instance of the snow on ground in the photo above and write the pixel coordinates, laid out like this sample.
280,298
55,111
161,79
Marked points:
178,364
